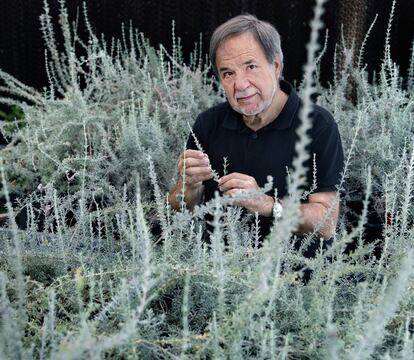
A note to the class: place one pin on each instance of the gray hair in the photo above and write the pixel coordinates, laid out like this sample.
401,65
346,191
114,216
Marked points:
265,34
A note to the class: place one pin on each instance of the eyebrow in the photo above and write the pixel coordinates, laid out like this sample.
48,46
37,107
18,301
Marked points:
248,62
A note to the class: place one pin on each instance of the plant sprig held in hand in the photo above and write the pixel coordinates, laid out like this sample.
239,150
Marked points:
216,176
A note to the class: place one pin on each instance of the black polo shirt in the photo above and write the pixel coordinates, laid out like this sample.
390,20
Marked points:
271,149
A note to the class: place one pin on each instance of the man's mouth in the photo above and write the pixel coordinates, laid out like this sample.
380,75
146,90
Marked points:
245,98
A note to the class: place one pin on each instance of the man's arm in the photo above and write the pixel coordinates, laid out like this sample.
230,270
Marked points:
196,167
314,211
311,213
321,210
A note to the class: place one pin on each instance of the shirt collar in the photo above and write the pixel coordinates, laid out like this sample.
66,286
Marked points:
234,121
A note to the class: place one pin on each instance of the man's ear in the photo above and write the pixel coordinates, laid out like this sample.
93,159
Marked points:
278,67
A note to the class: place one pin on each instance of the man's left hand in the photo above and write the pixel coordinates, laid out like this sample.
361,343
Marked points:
235,183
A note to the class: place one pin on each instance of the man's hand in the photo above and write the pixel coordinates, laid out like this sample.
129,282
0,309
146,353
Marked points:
196,167
235,183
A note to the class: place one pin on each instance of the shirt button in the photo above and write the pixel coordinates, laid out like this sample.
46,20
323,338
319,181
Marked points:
254,136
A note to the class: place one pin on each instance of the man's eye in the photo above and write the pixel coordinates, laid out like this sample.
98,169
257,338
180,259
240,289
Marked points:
227,74
251,66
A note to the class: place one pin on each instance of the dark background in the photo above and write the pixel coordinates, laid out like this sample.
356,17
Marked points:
22,49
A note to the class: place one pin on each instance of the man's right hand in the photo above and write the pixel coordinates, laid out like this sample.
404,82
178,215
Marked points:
197,168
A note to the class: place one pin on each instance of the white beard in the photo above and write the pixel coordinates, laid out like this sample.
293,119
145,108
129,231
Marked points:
253,118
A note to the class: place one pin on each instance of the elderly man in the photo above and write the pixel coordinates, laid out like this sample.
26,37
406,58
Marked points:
255,130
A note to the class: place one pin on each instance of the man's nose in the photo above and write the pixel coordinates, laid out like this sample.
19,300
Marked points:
241,82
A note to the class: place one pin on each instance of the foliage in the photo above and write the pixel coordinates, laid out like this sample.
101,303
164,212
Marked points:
14,119
106,269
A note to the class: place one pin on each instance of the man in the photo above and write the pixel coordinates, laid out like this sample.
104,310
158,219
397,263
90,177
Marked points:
255,130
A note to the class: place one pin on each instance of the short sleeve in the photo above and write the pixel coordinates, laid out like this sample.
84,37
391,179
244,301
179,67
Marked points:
327,147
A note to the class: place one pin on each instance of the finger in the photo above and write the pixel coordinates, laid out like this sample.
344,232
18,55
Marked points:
194,179
232,192
197,154
199,170
197,174
246,194
193,162
234,184
234,175
236,198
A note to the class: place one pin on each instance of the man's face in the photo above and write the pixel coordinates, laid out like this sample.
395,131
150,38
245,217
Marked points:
249,81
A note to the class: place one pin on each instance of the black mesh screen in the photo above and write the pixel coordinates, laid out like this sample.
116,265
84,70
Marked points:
22,50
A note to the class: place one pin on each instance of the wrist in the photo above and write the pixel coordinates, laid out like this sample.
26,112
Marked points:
192,194
269,203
